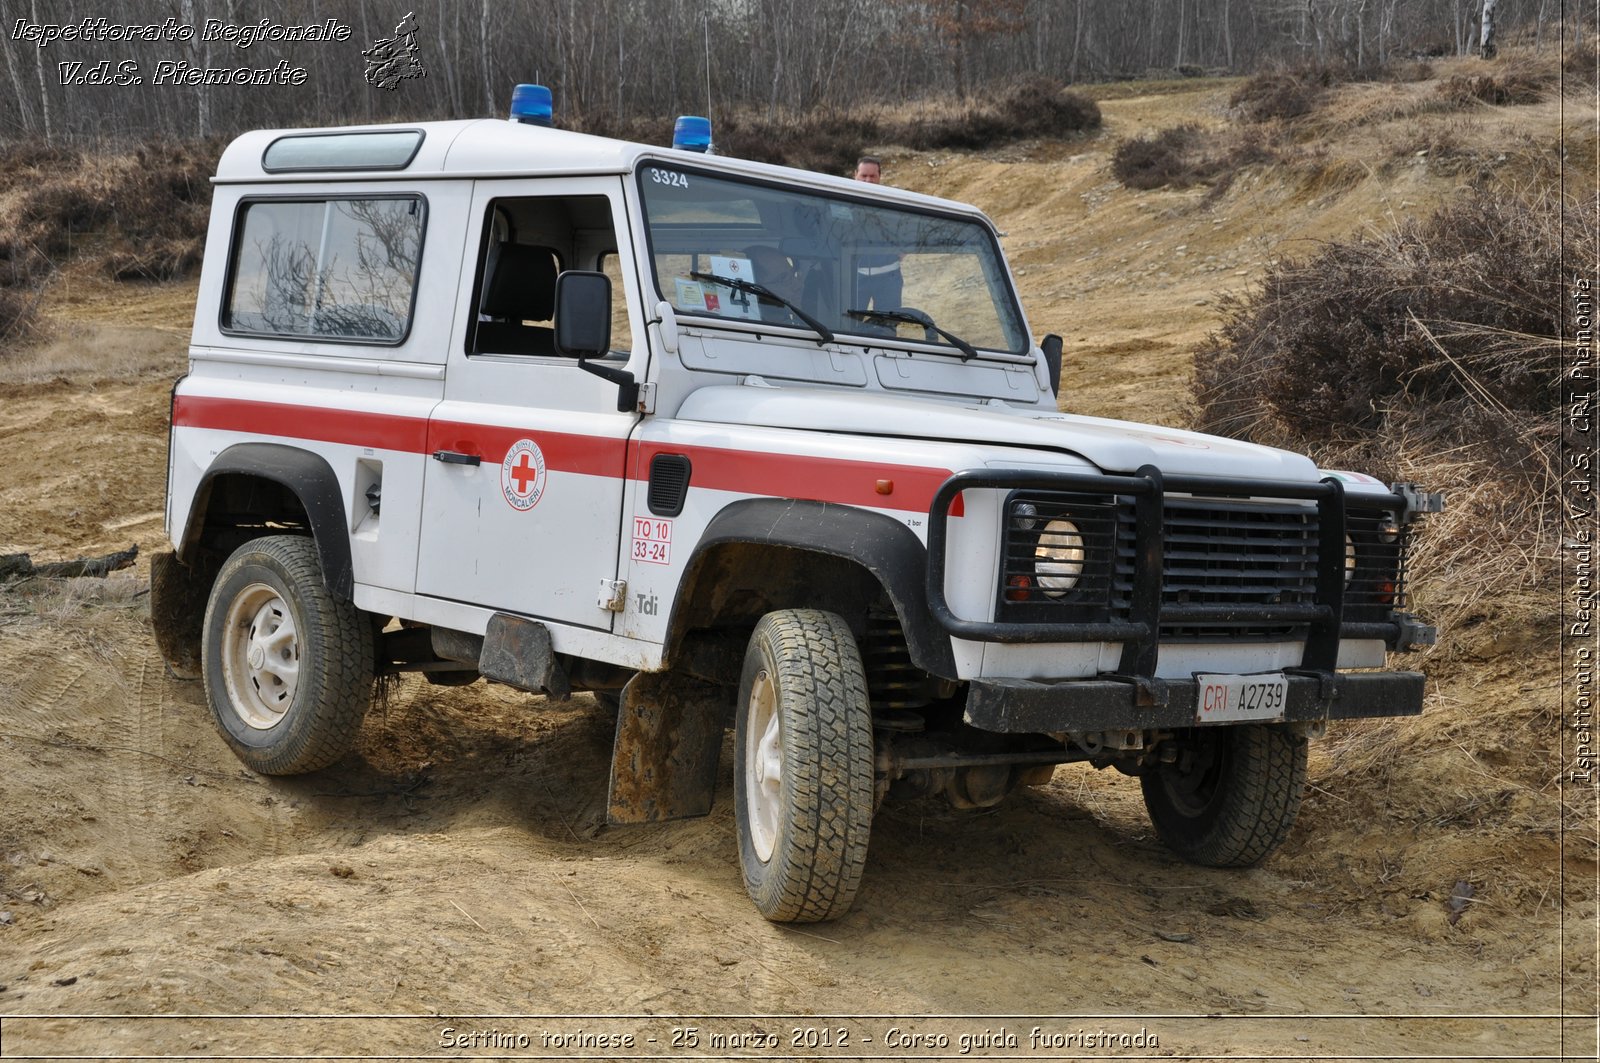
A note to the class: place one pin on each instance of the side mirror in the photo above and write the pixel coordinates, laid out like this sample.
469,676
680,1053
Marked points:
1051,346
583,330
583,314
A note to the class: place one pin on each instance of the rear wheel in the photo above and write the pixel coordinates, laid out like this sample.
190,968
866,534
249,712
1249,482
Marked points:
1232,795
288,667
803,760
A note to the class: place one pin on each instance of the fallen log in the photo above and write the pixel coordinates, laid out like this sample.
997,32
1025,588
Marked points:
21,566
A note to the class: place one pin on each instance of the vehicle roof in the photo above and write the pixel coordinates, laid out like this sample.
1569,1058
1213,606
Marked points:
488,147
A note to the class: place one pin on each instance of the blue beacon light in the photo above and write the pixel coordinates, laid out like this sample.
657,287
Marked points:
692,133
531,105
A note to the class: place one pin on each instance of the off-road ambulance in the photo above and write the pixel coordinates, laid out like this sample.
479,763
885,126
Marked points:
731,444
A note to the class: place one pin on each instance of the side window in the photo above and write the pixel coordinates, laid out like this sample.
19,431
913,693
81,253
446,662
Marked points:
335,269
527,242
621,326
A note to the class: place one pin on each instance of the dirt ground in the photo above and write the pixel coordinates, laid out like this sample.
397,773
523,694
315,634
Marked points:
455,873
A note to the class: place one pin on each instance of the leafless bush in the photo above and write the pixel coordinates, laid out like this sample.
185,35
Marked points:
1034,108
1289,93
1425,352
142,214
830,141
1514,85
1187,155
1282,94
1579,65
18,316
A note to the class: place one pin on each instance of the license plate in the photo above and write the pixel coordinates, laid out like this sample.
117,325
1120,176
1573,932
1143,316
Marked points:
1240,698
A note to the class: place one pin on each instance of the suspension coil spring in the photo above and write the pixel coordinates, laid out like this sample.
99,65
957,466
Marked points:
894,682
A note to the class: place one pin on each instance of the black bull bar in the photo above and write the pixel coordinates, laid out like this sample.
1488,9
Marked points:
1133,697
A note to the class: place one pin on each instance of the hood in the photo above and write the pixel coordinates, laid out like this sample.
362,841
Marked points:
1112,446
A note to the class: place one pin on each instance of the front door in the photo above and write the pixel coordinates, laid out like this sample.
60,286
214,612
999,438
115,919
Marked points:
523,491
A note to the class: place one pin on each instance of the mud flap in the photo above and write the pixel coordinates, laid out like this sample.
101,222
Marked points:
178,595
518,653
669,738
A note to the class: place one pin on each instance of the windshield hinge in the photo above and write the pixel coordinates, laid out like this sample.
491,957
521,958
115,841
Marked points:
647,398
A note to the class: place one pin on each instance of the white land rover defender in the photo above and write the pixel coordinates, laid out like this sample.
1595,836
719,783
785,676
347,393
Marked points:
733,444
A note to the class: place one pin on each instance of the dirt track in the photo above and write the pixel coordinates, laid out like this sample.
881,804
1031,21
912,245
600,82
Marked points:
458,864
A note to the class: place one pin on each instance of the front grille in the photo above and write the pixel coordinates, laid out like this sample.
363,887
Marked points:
1235,557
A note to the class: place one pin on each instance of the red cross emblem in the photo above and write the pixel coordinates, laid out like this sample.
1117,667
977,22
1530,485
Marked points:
522,475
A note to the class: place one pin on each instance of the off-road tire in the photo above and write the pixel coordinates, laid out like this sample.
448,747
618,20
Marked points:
332,647
806,664
1240,807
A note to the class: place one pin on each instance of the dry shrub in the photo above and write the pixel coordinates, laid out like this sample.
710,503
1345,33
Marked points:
824,142
1512,86
828,141
1579,66
1162,158
1428,352
38,156
1288,93
55,211
819,141
1187,155
1283,94
1033,109
138,215
18,315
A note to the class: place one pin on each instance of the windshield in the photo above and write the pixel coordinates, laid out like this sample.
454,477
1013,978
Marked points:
827,256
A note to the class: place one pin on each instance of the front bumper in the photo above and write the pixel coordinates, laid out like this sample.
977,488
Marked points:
1024,706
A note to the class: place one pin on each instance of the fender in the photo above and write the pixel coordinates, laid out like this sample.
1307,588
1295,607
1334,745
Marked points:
305,475
887,549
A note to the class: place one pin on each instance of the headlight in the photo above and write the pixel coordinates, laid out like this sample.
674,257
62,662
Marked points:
1058,559
1349,559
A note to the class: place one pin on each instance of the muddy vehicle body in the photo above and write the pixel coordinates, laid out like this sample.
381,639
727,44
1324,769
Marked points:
734,445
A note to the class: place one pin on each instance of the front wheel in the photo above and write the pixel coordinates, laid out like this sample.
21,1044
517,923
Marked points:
803,760
1232,795
288,667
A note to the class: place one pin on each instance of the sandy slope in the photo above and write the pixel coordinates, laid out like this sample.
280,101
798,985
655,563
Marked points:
458,864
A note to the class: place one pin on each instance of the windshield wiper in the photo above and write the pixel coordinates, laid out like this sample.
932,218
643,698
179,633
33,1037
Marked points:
912,316
761,291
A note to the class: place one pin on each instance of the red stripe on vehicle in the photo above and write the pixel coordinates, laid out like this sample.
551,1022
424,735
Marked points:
384,431
840,480
563,452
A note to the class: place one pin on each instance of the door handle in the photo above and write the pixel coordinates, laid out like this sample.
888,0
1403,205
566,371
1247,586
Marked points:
455,457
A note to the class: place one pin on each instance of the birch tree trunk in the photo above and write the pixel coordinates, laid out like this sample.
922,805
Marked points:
1486,45
38,62
24,112
483,59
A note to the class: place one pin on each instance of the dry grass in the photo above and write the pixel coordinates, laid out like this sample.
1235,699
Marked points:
83,610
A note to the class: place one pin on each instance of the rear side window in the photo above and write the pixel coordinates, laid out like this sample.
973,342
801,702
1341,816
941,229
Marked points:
331,269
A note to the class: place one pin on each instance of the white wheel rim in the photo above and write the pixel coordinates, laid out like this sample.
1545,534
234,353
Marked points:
260,656
763,766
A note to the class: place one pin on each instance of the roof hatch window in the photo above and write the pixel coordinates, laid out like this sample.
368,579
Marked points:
389,150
